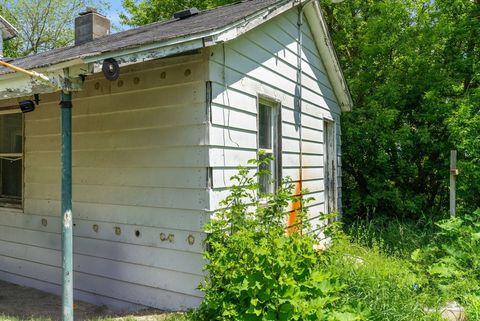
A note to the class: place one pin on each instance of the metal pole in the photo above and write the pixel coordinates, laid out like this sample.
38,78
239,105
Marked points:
453,177
67,234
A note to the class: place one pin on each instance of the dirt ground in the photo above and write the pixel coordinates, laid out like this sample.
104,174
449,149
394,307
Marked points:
27,303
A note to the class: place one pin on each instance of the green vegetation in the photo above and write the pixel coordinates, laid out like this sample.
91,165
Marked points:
413,70
43,25
380,272
147,11
258,272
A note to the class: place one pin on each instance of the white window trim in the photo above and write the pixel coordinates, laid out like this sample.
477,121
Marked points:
276,150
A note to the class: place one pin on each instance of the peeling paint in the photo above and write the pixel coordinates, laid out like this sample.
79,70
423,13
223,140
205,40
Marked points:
21,86
295,209
67,219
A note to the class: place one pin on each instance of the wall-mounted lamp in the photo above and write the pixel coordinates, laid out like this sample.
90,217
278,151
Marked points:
26,106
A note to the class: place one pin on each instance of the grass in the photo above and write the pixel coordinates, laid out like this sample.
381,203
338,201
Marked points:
381,285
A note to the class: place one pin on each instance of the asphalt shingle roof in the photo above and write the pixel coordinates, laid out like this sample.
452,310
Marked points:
205,21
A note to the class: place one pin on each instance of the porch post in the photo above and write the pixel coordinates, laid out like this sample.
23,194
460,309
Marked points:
67,235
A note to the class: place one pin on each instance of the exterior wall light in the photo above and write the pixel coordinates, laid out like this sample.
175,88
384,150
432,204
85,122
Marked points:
26,106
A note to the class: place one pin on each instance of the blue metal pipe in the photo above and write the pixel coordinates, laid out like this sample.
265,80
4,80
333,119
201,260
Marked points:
67,222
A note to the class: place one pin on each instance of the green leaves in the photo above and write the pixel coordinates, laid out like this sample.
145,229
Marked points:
148,11
452,259
413,70
258,272
43,25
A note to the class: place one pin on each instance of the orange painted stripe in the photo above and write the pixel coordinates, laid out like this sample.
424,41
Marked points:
296,207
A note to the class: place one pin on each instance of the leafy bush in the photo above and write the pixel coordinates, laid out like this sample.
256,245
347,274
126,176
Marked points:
452,261
258,272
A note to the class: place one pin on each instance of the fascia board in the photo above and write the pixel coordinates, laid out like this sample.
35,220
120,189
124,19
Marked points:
327,52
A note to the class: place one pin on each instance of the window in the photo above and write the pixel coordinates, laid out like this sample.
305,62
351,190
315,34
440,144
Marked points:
11,156
269,141
330,158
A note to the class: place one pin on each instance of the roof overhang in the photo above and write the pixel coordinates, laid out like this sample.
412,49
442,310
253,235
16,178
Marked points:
67,75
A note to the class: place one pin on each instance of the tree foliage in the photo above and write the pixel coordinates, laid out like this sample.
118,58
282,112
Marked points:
148,11
412,67
43,24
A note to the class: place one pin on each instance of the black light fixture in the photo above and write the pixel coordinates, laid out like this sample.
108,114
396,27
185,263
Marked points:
26,106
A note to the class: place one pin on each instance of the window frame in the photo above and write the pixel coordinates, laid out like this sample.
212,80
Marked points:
330,165
276,139
4,202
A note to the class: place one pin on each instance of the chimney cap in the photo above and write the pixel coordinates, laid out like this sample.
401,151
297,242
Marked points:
90,10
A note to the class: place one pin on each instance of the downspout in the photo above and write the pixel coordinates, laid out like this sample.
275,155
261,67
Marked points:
66,206
298,205
300,22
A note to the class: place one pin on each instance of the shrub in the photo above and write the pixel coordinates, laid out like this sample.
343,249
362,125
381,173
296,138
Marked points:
258,272
452,262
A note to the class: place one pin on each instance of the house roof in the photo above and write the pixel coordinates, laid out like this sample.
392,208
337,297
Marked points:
65,67
205,21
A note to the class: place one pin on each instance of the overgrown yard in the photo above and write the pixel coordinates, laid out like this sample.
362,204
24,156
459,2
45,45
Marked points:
375,275
257,270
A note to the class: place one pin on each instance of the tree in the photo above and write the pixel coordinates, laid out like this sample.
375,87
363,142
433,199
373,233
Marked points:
410,65
148,11
43,24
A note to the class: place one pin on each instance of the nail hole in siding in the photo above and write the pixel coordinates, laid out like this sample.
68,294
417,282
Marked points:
95,228
188,72
118,230
44,222
163,75
191,239
97,85
137,233
136,81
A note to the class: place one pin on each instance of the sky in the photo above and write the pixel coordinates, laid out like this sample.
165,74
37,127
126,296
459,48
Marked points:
116,6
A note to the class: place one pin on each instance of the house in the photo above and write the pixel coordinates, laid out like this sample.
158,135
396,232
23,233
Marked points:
162,116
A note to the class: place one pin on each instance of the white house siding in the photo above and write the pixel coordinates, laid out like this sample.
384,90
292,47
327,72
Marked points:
139,165
264,61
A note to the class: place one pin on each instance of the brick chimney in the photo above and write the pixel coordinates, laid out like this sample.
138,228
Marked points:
90,25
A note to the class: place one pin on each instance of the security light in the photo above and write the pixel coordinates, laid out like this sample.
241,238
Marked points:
26,106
